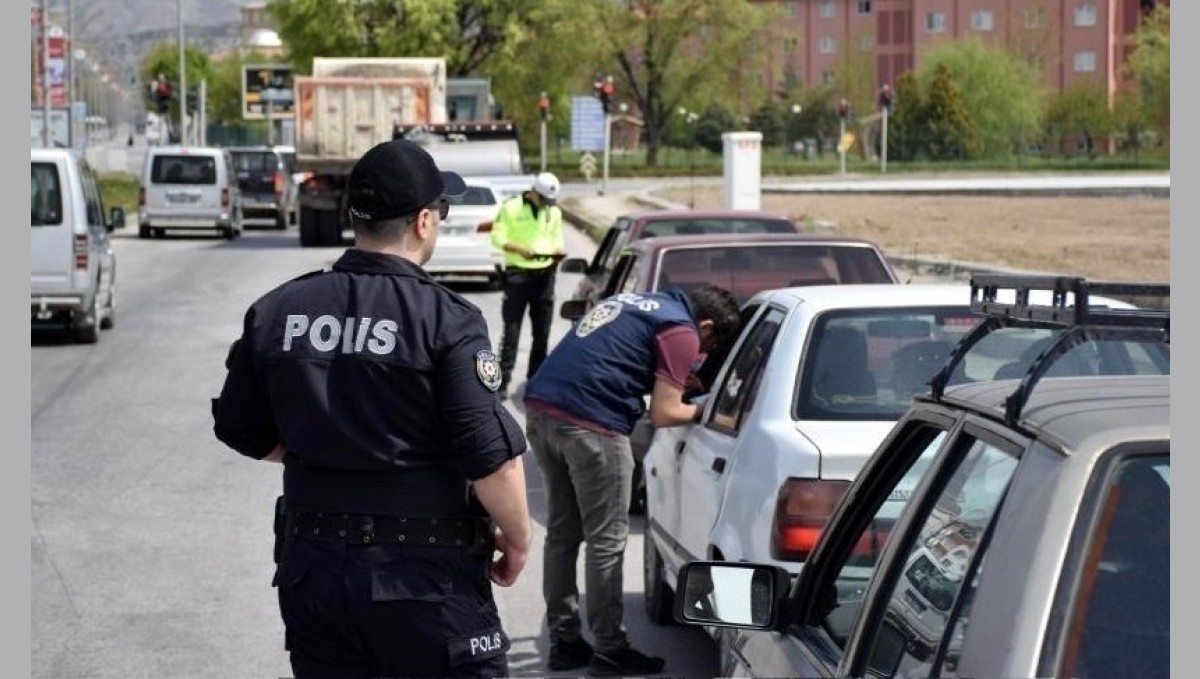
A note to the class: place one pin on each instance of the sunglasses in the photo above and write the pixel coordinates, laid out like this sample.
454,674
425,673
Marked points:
442,206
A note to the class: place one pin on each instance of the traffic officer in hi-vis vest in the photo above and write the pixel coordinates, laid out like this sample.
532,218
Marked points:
529,230
402,476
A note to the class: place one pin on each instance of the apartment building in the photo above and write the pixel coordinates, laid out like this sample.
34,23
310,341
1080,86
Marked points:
1070,40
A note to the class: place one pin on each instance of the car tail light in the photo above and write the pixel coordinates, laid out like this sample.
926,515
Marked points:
141,196
801,512
277,183
484,227
314,183
80,250
225,197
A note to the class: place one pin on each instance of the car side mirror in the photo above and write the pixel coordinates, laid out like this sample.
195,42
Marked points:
574,309
116,218
573,265
727,594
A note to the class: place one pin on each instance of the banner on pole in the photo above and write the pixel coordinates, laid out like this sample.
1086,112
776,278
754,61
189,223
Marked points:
587,124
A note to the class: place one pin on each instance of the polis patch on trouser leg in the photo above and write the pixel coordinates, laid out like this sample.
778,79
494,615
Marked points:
488,369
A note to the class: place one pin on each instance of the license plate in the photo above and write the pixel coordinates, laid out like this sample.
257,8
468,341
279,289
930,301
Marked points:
183,197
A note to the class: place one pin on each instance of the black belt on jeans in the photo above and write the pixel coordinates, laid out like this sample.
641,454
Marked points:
466,533
531,271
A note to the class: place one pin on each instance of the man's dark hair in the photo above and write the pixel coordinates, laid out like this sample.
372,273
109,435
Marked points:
714,303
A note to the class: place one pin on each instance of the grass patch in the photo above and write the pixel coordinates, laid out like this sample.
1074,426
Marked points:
120,189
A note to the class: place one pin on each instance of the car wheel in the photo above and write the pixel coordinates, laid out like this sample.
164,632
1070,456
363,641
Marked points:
110,309
144,232
88,332
659,598
637,497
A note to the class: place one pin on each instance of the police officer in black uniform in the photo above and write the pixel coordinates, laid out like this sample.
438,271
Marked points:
402,478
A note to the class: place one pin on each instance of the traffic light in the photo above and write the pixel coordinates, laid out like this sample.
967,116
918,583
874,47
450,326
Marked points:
885,98
544,106
843,109
606,94
162,94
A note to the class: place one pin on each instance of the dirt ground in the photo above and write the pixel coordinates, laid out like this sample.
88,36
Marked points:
1111,239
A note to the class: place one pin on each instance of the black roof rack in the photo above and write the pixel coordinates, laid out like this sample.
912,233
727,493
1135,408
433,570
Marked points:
1070,309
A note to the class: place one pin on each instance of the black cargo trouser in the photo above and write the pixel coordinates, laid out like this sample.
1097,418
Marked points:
525,289
355,611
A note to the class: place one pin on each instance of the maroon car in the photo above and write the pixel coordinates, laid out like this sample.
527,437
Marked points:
652,224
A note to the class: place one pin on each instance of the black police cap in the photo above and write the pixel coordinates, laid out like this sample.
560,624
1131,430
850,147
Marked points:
397,178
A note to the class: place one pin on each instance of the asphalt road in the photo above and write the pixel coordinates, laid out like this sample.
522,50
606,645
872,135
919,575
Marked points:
151,541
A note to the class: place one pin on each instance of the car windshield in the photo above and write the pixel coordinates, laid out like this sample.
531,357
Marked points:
868,364
746,269
684,226
171,169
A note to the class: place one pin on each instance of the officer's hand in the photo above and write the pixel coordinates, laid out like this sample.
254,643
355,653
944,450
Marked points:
505,570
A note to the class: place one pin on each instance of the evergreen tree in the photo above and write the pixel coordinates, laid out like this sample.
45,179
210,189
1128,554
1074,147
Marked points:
907,123
951,131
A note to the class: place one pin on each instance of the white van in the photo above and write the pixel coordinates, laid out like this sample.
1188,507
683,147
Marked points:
72,264
189,188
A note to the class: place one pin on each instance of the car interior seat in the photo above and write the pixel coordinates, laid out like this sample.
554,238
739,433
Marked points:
842,376
1071,364
914,364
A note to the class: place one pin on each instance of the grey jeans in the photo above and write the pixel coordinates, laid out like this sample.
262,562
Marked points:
588,477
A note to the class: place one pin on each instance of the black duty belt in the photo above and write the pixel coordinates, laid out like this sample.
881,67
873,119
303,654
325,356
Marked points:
465,533
532,271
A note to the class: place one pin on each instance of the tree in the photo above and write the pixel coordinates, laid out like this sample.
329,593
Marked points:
1129,121
669,53
1002,93
951,130
1150,64
907,124
164,58
1081,111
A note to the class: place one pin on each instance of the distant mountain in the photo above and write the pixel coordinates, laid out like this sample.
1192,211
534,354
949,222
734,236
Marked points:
130,17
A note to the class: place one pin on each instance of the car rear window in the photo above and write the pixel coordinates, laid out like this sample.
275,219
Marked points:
45,195
255,161
474,195
671,227
746,270
868,363
180,169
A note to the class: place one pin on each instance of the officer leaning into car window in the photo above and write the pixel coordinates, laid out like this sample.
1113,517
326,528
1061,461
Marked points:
529,230
376,388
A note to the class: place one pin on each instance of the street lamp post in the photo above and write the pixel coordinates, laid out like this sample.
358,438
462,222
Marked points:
689,119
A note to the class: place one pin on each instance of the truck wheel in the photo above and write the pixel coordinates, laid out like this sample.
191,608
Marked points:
307,226
331,230
659,598
281,221
110,309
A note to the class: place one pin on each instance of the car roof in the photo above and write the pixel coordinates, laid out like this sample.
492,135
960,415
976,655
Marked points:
45,153
748,239
868,295
1078,415
187,150
652,215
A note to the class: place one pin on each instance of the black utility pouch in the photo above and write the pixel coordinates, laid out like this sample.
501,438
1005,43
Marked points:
280,527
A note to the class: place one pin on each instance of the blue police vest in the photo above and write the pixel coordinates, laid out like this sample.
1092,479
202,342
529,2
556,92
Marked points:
601,369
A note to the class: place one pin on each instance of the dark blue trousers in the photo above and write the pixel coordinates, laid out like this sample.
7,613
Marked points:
356,611
525,290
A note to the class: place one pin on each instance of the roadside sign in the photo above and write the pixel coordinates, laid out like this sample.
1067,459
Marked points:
846,143
587,124
587,165
267,87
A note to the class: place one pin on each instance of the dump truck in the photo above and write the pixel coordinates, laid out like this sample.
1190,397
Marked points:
349,105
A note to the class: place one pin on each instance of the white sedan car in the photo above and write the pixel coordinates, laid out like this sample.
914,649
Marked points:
464,246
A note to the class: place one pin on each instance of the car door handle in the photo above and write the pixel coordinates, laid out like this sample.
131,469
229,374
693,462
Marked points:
718,465
679,448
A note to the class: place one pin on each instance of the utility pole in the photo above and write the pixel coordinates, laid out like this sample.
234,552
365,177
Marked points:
885,108
544,114
182,76
46,136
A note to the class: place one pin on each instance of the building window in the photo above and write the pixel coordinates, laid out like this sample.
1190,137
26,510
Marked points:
1035,17
935,22
828,9
790,45
981,20
1085,62
828,78
828,45
790,9
1085,15
864,6
866,43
